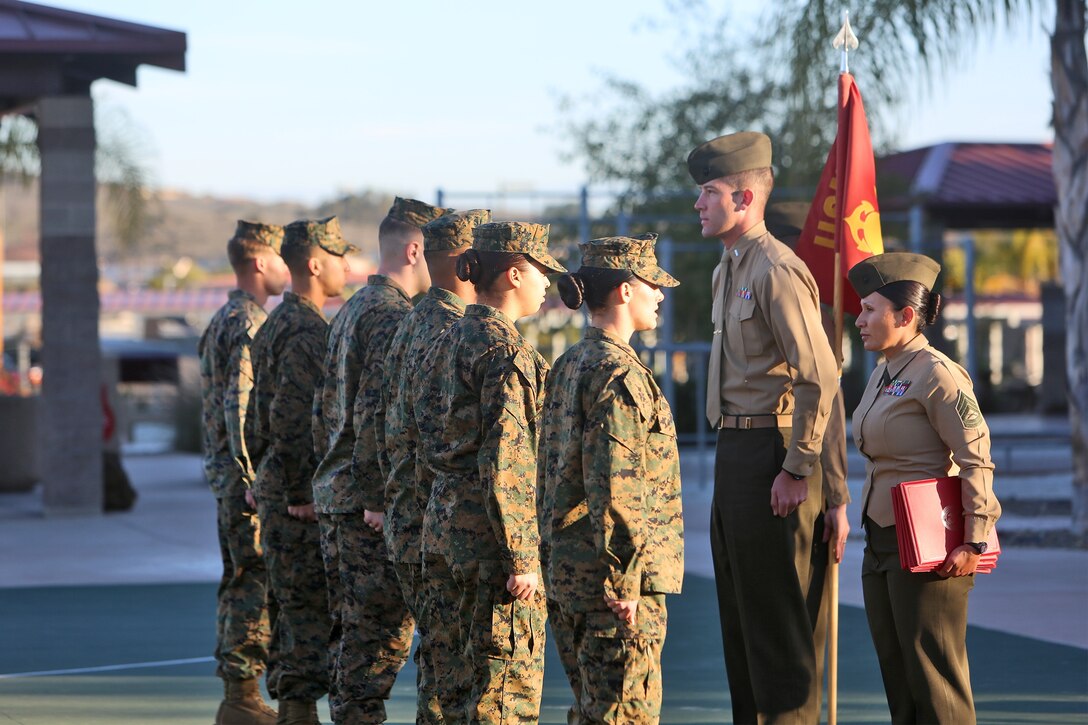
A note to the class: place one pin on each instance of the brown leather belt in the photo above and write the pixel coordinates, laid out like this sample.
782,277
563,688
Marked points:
748,422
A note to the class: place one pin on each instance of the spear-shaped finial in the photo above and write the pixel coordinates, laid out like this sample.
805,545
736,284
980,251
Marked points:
846,40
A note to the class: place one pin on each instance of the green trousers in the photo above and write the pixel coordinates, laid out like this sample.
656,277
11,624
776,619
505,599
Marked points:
763,571
919,627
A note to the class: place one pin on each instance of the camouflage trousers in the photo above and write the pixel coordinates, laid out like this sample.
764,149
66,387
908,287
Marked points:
504,640
375,625
300,633
410,576
452,672
242,627
614,668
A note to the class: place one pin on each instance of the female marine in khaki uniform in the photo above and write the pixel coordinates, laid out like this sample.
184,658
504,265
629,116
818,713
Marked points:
611,516
918,419
477,415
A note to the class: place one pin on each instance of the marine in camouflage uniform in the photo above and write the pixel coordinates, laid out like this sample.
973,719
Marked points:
372,625
287,354
477,416
611,511
226,379
408,480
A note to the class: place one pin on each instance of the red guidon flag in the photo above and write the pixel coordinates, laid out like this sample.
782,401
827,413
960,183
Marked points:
845,211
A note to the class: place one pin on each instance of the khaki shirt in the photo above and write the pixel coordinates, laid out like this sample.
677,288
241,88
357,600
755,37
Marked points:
918,419
477,413
833,454
226,379
776,358
611,517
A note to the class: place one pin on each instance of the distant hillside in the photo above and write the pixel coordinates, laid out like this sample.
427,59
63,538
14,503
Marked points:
181,224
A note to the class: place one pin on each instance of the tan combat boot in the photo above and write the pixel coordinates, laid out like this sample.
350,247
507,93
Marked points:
298,712
243,705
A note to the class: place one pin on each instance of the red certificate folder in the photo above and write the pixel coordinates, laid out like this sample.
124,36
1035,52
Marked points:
929,524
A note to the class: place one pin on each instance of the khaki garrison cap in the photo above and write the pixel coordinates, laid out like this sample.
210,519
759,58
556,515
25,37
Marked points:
324,233
869,275
635,254
519,237
453,231
786,220
415,212
270,235
728,155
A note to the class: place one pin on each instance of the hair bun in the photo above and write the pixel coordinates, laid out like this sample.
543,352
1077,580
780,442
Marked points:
572,290
933,307
468,266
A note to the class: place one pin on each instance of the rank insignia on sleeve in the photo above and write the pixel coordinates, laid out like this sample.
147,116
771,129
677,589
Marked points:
744,293
896,388
970,415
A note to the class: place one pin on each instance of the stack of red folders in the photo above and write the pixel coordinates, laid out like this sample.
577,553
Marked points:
929,524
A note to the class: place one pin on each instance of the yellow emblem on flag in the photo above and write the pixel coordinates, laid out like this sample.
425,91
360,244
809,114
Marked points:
864,223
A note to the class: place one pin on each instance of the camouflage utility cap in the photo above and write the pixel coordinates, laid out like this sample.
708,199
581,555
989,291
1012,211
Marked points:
786,220
453,231
635,254
324,233
869,275
415,212
518,237
728,155
270,235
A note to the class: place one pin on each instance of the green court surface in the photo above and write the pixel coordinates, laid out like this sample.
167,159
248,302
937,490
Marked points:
139,654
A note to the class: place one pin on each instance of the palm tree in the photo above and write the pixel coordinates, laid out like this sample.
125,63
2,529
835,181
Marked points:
907,37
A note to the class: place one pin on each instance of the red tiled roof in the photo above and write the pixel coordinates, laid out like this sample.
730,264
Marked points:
972,185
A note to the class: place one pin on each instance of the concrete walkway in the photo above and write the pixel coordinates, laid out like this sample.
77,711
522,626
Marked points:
169,537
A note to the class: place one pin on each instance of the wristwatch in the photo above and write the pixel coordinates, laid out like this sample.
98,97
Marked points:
979,546
792,475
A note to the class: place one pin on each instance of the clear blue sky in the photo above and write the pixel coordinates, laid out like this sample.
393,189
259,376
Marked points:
300,100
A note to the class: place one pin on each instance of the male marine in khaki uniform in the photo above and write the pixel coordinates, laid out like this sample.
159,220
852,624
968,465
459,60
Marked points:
372,624
226,379
772,378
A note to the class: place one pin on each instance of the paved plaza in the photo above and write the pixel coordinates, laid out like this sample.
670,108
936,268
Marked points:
111,620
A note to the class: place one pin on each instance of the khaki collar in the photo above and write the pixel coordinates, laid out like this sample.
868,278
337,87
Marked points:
905,356
747,240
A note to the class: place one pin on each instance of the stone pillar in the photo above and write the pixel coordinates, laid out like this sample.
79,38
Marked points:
71,414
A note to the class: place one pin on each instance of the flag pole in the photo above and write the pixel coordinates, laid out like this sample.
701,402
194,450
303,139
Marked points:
846,41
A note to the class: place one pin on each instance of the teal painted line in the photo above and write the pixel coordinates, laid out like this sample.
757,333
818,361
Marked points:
107,668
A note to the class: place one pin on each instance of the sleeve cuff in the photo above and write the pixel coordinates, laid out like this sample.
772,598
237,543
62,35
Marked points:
976,528
624,586
524,562
799,463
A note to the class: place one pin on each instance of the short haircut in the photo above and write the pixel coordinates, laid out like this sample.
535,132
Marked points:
240,251
394,234
297,257
760,181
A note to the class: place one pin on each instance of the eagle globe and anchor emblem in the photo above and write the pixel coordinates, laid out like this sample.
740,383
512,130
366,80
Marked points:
948,514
